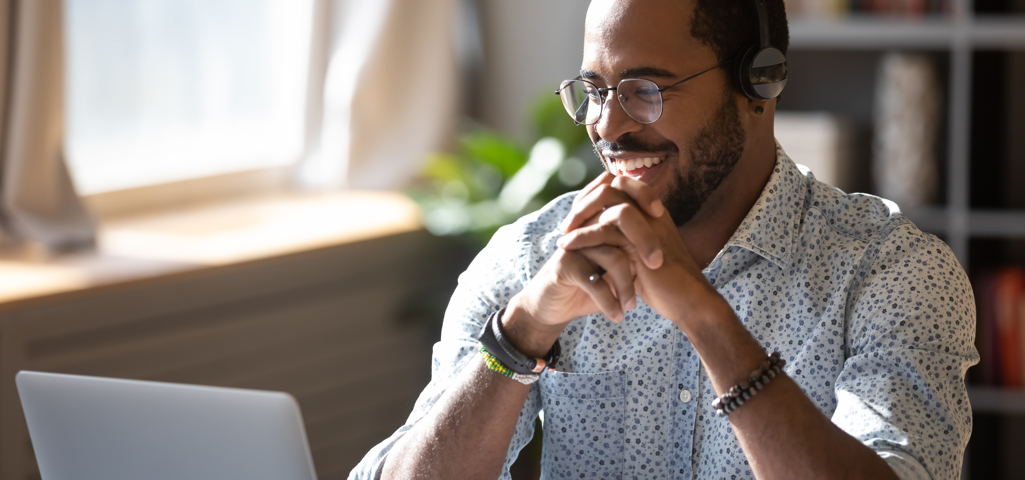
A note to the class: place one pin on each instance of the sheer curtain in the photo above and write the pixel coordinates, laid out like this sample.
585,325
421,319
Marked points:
387,94
38,202
390,92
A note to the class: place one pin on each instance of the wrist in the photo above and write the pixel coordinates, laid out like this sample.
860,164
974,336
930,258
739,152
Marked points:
702,306
724,344
524,332
704,312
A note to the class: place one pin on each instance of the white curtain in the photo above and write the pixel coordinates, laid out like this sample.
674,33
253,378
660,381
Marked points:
38,203
390,92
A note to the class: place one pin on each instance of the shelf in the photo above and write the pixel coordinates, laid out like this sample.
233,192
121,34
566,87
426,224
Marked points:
996,400
998,31
932,220
862,32
981,223
994,223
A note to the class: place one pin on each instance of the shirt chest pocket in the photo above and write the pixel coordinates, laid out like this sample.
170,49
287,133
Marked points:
583,424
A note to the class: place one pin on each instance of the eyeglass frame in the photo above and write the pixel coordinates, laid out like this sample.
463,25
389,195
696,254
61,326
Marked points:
603,91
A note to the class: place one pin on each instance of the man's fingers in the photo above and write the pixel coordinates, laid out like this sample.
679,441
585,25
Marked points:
637,230
596,234
622,226
618,273
606,191
605,178
587,206
580,271
641,193
592,236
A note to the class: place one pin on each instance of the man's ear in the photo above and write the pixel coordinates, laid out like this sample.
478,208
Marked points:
757,106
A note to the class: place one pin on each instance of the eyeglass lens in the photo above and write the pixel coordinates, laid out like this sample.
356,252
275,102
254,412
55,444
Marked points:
640,99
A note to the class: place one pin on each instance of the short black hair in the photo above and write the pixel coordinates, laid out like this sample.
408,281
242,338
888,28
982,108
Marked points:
729,27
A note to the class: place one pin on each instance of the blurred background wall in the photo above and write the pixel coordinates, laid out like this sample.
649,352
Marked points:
528,48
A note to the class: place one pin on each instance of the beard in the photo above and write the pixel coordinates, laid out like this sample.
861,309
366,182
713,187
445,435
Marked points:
714,153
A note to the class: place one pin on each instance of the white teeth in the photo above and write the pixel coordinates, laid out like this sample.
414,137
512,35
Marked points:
624,166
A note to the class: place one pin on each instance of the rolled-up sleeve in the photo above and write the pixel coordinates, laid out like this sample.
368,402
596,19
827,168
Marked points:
494,276
910,340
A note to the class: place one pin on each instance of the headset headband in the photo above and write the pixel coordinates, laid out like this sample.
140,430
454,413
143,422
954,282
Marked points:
763,23
761,70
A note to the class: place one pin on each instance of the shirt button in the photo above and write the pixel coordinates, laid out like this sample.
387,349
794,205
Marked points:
726,257
685,396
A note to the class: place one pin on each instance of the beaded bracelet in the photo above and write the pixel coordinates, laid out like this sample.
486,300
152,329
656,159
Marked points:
741,392
495,365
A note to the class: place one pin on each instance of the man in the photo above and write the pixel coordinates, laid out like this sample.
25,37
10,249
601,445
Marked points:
671,278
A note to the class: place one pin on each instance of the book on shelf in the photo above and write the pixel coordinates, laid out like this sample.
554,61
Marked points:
1000,335
837,8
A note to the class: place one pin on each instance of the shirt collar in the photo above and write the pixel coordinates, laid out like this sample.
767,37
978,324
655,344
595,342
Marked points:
770,228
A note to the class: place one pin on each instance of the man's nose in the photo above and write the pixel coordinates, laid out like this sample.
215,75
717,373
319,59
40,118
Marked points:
614,121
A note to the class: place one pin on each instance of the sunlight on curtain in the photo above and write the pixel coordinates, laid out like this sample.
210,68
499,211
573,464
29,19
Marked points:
165,90
391,93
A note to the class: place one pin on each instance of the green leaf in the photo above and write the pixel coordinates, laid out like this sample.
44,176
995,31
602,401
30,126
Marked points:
550,120
443,168
489,148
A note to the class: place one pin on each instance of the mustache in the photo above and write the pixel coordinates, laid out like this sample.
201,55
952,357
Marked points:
627,143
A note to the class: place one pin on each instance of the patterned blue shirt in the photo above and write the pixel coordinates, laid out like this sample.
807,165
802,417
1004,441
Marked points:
875,318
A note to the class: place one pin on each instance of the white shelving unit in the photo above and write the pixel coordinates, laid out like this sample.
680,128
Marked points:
858,32
981,223
960,34
997,400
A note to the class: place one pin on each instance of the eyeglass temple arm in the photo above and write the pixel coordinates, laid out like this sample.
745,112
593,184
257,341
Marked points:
723,64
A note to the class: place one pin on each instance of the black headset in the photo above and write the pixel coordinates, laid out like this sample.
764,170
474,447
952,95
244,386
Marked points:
761,70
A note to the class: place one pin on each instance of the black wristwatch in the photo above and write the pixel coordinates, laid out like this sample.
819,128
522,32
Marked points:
492,339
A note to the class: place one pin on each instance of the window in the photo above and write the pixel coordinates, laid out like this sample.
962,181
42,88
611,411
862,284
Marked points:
166,90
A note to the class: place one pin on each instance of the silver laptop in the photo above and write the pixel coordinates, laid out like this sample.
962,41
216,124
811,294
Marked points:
91,428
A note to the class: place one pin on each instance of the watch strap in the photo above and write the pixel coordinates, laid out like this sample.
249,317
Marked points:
492,338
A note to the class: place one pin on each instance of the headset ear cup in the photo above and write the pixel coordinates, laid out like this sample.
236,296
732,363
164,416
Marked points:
768,73
742,74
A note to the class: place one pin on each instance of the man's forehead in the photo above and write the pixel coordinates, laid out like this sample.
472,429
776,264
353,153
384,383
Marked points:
625,35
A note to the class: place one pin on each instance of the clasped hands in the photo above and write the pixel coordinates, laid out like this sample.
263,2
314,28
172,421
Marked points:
620,225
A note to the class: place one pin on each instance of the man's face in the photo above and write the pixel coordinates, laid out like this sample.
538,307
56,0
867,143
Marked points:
699,138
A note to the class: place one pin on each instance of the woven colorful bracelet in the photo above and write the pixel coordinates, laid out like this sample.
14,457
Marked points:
742,392
495,365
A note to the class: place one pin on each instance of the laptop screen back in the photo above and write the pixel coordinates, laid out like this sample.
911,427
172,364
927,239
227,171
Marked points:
91,428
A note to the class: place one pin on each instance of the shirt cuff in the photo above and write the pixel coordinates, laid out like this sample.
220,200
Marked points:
904,465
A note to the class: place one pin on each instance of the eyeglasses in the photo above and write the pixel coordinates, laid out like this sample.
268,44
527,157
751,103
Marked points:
641,99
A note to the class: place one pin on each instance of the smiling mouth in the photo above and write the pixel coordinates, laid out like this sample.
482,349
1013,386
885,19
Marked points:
634,167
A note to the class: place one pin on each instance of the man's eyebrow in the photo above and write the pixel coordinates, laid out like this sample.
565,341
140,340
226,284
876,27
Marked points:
632,73
647,72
